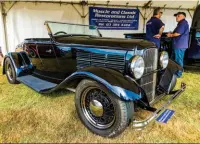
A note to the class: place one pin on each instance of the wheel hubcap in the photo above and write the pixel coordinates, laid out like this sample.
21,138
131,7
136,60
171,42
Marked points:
97,108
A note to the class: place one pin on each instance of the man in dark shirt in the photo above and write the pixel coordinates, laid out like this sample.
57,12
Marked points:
180,38
155,27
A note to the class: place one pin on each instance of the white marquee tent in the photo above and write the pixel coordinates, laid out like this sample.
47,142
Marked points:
25,19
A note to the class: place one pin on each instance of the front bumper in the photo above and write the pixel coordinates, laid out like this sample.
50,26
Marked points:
143,123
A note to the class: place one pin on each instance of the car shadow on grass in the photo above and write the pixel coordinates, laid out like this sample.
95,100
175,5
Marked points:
193,70
59,93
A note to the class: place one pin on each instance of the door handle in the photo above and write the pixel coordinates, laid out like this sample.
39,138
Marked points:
48,51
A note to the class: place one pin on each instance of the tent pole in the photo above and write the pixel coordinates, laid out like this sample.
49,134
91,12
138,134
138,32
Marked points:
11,7
149,14
190,13
4,27
143,16
77,10
83,14
144,24
82,17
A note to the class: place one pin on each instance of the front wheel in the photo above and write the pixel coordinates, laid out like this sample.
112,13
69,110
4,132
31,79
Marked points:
101,111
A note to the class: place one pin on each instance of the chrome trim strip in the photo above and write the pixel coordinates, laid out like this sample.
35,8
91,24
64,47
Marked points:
155,66
71,89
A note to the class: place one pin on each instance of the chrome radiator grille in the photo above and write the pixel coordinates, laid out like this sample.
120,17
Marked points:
85,59
148,83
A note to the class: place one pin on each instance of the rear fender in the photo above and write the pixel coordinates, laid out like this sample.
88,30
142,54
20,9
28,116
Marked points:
111,79
20,61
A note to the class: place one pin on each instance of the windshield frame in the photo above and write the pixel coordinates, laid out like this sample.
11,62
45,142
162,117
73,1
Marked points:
52,35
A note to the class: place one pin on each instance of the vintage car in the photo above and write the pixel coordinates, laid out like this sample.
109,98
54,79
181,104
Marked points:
192,55
111,77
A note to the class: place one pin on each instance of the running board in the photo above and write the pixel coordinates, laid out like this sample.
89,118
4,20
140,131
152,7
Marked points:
36,84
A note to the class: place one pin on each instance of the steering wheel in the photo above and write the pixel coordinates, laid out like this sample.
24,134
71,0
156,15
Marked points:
60,32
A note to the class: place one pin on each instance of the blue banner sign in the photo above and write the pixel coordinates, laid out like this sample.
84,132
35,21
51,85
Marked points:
114,18
165,116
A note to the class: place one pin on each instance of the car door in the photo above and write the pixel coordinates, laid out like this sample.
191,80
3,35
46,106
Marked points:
47,56
43,56
66,57
50,66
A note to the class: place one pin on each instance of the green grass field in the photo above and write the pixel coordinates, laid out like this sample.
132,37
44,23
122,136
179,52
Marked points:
26,116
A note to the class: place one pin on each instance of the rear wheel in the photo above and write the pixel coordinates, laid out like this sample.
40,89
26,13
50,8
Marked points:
10,72
100,111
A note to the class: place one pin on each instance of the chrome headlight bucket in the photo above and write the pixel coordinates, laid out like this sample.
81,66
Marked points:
137,66
164,59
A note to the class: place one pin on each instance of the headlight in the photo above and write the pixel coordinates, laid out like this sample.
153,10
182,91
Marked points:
164,59
137,67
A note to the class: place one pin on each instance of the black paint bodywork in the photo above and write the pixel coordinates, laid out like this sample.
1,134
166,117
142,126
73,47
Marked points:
61,61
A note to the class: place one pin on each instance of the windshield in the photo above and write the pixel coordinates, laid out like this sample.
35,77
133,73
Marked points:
59,29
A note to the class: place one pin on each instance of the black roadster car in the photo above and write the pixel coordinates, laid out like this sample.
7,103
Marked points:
110,76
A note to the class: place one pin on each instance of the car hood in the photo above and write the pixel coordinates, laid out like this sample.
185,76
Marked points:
106,42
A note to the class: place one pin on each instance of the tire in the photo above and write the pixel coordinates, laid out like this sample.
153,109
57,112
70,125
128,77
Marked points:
10,72
102,112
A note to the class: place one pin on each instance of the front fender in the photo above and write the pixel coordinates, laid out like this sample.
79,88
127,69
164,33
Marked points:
9,55
20,61
113,80
168,79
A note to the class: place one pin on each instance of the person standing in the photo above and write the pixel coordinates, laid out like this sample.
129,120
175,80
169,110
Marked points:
155,27
180,38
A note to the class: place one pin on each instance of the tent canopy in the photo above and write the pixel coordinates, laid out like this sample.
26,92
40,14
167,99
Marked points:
25,18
